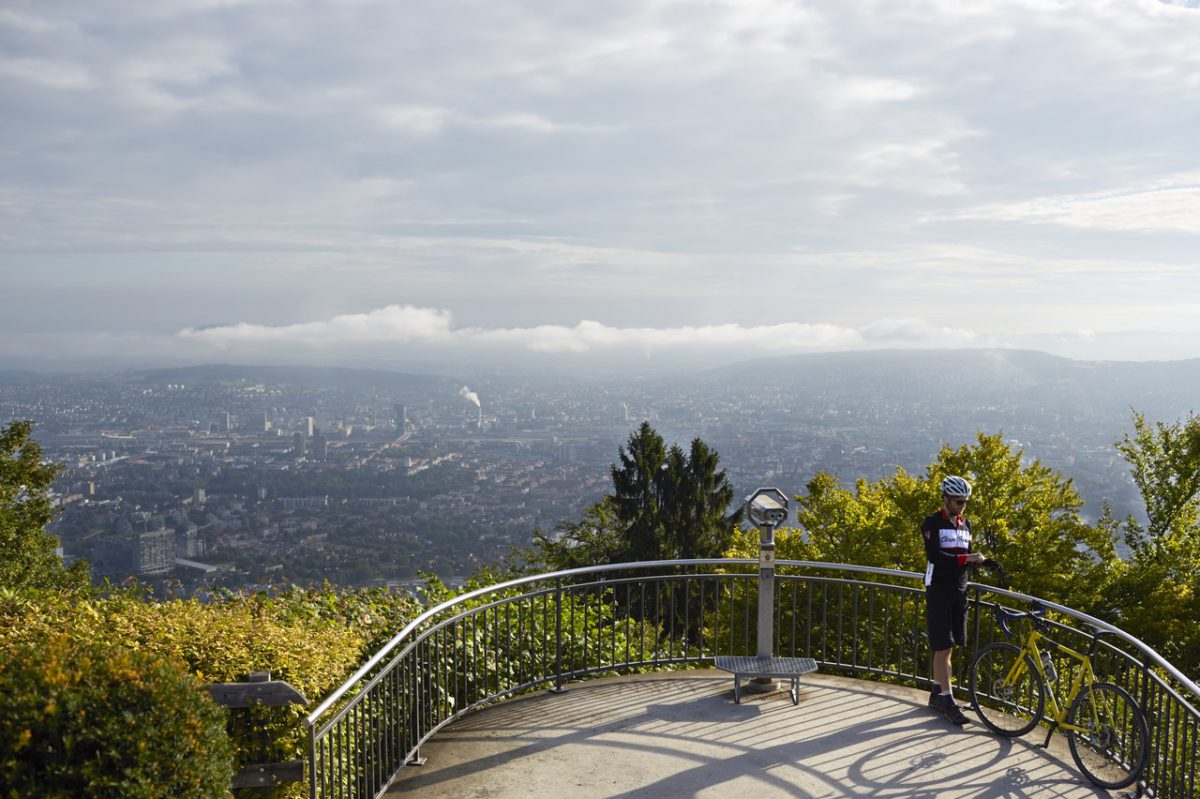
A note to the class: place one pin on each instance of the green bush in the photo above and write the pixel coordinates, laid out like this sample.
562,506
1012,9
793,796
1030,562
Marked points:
310,638
85,719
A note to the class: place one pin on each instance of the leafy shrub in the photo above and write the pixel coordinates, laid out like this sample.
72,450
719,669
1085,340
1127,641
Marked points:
86,719
310,638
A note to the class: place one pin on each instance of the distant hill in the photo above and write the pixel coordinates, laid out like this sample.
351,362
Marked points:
303,376
15,377
982,377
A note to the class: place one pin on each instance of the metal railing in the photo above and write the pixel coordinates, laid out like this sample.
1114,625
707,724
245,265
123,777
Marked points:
547,629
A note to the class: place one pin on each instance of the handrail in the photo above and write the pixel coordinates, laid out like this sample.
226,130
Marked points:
312,717
329,701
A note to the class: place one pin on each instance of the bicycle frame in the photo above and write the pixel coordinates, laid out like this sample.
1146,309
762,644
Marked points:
1085,675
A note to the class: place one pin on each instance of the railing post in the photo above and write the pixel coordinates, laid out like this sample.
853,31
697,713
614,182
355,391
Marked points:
558,638
312,761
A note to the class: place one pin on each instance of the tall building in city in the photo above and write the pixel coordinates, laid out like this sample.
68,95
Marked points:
320,446
401,413
298,444
154,552
306,426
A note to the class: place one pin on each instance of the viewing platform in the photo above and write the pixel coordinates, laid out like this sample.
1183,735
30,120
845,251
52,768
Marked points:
513,690
681,734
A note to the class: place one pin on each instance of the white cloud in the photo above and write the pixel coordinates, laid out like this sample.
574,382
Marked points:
1171,206
392,324
408,324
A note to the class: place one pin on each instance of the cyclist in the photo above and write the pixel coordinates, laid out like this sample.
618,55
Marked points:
947,536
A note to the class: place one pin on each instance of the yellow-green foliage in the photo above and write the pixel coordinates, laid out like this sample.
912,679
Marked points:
83,719
312,639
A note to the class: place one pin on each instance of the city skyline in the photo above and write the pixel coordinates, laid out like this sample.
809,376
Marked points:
641,184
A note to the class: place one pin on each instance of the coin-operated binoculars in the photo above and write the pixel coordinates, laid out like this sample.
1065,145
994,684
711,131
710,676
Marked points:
767,508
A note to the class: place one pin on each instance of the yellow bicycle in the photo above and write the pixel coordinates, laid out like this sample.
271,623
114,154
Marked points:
1105,728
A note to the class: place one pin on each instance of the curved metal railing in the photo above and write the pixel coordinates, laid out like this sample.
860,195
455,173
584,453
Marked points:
546,629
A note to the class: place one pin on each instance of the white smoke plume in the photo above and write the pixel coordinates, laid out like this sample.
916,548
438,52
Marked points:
470,396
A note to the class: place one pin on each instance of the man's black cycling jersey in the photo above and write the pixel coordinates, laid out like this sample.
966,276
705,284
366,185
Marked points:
947,542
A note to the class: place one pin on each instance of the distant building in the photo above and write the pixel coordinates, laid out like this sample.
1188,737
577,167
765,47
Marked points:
154,552
320,447
186,545
306,426
299,444
400,411
199,497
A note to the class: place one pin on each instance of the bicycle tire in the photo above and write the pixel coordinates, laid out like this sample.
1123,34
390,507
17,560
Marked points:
1008,710
1116,747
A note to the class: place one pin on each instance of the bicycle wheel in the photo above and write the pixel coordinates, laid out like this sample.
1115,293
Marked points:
1006,690
1112,748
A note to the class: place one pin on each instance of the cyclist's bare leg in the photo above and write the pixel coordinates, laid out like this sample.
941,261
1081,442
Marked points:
942,669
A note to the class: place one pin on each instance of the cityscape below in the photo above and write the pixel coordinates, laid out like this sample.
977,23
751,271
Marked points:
236,476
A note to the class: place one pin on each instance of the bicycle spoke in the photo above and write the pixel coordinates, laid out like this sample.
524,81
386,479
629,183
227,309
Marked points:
1113,744
1006,691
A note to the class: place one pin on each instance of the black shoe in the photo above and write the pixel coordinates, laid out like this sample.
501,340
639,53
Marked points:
935,698
953,712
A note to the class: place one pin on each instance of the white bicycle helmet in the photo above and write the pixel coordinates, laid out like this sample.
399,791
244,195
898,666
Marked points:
956,487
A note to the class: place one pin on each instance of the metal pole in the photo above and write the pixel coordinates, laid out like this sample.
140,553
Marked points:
766,591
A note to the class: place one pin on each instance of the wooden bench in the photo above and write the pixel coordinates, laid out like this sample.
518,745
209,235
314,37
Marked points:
752,667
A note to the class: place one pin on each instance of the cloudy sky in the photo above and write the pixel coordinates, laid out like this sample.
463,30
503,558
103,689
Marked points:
192,181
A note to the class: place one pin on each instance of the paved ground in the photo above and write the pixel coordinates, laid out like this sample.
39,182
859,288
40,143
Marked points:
680,735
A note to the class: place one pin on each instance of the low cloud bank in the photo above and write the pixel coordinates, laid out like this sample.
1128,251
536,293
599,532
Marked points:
406,324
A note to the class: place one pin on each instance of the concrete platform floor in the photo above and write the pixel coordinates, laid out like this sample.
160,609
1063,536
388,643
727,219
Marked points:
679,734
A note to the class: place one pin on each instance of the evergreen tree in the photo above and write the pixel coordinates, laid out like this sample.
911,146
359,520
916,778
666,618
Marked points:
671,505
665,505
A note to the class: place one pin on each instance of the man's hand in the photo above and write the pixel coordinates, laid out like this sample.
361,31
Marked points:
974,558
992,565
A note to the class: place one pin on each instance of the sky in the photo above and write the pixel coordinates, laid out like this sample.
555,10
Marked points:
640,182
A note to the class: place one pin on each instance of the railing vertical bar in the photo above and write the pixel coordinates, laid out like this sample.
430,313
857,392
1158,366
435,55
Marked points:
746,619
671,589
871,665
825,622
732,610
687,614
793,635
1173,718
545,631
855,626
808,617
1191,770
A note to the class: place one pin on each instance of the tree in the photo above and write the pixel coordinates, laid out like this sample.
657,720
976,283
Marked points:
665,505
638,484
1163,574
671,505
1164,462
27,556
1025,515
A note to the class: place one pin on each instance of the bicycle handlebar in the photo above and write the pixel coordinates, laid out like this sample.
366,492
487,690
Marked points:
1037,613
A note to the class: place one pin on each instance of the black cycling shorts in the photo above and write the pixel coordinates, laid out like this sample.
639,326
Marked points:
945,616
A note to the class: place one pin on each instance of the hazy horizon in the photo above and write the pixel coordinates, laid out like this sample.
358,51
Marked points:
640,185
